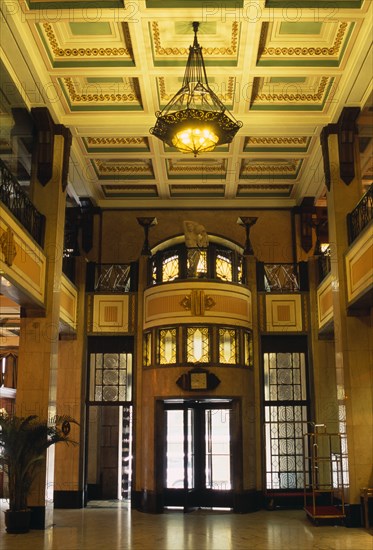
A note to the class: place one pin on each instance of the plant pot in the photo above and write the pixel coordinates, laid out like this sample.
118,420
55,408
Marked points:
17,521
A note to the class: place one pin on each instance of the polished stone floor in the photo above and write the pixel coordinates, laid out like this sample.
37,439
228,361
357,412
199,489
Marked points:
115,527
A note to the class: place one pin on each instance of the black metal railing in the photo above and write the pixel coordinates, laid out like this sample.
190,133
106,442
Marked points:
111,278
282,277
361,215
324,264
19,204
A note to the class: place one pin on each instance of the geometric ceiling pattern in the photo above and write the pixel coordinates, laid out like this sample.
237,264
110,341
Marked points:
105,67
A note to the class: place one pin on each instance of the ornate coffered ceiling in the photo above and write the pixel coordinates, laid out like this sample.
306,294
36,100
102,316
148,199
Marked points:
103,68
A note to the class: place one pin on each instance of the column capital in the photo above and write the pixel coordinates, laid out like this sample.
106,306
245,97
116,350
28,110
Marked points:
346,130
43,153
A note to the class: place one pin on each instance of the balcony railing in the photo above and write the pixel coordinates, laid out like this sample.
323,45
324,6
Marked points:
19,204
361,215
111,278
284,277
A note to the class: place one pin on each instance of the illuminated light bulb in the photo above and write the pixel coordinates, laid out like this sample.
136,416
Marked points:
195,140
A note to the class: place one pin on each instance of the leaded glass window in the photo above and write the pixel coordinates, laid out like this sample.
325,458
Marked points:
223,265
198,345
147,350
170,267
110,377
167,346
285,409
284,377
248,349
228,348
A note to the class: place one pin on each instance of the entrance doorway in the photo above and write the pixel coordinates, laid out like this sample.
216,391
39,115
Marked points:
197,458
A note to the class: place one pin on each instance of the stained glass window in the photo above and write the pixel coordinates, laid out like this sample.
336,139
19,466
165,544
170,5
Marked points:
228,349
167,346
248,349
285,409
198,345
224,265
110,377
147,351
170,267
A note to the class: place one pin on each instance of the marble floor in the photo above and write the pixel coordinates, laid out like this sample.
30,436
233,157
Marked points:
117,527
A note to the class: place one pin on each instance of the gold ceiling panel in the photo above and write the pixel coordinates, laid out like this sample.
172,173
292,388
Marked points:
270,168
101,93
202,169
306,44
170,42
277,144
281,93
112,144
134,191
264,190
86,43
122,169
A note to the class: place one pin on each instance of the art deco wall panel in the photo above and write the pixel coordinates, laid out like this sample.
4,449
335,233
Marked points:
68,303
359,265
21,260
325,302
283,313
109,314
197,303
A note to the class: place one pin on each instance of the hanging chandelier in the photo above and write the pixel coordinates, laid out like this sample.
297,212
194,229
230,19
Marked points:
195,120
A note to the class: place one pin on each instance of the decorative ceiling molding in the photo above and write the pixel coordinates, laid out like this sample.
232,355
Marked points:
271,49
111,50
78,92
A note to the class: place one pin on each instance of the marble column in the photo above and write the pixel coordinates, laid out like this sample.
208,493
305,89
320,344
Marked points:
353,335
38,344
324,388
71,378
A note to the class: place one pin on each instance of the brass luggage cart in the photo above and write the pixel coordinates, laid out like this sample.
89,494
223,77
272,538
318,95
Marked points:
323,475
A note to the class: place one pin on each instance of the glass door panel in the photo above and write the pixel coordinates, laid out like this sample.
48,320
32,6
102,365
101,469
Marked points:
217,449
197,457
189,451
175,449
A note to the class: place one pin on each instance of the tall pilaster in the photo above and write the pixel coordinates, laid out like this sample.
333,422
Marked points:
353,335
38,347
69,460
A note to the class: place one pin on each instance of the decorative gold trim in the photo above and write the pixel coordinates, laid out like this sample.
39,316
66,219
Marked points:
272,168
8,248
294,97
186,303
209,302
301,51
82,52
277,140
197,302
160,50
96,98
116,140
203,167
263,187
115,169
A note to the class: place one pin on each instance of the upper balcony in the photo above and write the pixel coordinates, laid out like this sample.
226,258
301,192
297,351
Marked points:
213,263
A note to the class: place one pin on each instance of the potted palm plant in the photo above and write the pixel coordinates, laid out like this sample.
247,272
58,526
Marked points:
23,443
